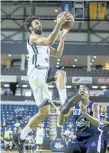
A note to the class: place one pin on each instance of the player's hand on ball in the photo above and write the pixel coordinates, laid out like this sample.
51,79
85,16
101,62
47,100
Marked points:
64,18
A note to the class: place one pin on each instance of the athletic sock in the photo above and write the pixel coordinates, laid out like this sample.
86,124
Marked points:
63,95
25,131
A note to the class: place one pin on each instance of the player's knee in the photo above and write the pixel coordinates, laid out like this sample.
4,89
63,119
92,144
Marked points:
61,74
43,111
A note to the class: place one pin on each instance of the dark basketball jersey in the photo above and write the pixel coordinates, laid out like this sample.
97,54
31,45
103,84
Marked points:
104,116
104,129
84,128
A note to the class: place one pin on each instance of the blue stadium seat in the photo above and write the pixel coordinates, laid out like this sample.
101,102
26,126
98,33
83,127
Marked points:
13,111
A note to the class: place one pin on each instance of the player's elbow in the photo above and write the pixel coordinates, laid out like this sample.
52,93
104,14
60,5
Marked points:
50,42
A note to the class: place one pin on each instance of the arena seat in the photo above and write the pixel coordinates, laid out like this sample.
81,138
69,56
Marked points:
11,112
70,72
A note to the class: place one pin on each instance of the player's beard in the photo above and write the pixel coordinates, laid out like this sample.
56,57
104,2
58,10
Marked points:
38,31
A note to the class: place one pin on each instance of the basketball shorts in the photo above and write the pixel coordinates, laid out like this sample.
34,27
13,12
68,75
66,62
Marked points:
38,80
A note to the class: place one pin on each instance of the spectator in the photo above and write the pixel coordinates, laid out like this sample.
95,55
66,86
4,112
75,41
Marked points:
19,130
30,143
10,131
8,141
6,134
15,130
7,92
1,142
17,124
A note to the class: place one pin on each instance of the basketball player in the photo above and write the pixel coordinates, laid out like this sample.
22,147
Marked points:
103,127
103,114
40,49
104,118
88,136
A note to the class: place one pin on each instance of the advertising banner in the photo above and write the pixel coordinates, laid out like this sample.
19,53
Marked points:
103,80
8,78
82,80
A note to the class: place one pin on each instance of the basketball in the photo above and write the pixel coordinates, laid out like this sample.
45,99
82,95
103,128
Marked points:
67,25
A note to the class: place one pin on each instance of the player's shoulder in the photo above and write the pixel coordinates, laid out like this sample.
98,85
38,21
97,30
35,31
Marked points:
33,38
92,103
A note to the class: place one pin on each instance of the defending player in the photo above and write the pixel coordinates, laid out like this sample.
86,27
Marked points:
88,136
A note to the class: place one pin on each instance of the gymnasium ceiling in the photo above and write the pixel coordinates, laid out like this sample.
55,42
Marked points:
14,12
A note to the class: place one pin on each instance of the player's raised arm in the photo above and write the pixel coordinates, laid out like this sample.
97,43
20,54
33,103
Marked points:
36,38
92,119
96,111
57,53
53,36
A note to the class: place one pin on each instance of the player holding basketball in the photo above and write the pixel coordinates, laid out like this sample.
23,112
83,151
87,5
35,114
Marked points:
40,49
88,136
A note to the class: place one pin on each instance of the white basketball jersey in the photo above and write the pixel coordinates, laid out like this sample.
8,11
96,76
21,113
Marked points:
38,55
